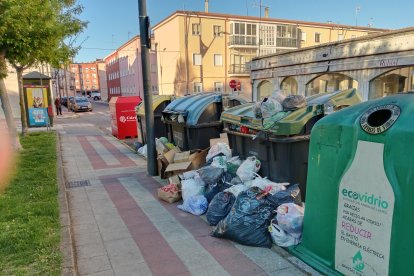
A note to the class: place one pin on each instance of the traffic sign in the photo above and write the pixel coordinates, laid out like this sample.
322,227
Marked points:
233,84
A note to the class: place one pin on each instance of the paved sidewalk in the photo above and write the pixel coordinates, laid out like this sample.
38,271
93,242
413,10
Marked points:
121,228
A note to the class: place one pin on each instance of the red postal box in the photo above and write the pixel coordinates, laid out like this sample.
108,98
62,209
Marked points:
123,117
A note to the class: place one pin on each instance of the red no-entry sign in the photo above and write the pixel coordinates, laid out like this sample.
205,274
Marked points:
233,84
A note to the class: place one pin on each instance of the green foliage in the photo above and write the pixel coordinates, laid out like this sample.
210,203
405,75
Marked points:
29,212
34,31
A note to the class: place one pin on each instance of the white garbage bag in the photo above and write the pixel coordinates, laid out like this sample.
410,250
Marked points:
280,237
236,189
190,188
219,148
248,169
290,218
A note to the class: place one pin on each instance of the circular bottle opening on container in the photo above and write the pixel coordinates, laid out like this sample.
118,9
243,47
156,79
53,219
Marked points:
379,117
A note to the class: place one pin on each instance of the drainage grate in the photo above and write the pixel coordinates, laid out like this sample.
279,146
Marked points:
77,184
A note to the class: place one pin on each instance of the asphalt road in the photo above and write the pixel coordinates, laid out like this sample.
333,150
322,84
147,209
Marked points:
100,117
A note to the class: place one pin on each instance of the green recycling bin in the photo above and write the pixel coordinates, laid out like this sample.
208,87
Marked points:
281,142
358,218
159,102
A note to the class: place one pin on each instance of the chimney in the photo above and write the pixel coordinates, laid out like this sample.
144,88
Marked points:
206,5
266,14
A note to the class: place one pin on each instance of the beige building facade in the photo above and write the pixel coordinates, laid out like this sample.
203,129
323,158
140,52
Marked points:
203,52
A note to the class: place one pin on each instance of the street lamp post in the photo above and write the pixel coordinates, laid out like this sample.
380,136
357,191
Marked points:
145,40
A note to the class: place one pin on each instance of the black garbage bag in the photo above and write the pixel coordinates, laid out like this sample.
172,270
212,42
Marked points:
210,175
290,195
222,184
248,220
219,207
225,181
211,192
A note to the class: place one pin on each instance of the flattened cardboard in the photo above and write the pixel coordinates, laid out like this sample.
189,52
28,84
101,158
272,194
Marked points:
178,167
198,159
170,155
181,157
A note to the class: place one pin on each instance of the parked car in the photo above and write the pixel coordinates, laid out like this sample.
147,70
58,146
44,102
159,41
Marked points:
64,101
70,102
95,95
81,104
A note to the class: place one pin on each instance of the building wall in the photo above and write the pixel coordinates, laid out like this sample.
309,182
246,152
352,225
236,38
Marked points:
103,85
366,60
170,56
130,69
177,72
86,77
113,75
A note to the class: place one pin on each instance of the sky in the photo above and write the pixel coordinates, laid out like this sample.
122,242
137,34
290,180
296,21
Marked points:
113,22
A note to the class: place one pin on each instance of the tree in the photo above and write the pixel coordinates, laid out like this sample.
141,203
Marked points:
34,32
4,98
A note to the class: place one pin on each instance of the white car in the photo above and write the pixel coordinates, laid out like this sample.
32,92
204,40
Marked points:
95,95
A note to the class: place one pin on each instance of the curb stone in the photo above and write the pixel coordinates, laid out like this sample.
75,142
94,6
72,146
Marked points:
66,244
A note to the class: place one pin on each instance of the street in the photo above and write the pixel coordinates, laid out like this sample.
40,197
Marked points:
121,228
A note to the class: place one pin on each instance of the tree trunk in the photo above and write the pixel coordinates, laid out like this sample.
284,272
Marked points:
25,128
8,113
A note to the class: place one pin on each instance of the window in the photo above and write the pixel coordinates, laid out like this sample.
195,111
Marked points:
218,87
94,76
287,36
340,37
218,60
217,30
196,29
196,59
303,36
243,34
317,37
198,87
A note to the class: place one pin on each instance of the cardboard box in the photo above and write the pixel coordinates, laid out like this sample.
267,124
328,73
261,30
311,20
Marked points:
182,157
198,159
164,160
187,161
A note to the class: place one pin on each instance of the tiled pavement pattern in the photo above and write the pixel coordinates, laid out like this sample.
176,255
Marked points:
121,228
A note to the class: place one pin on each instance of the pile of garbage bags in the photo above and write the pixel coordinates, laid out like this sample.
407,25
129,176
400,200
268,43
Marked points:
277,102
243,206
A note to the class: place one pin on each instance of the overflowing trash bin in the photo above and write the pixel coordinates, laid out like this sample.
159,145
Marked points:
281,140
195,119
159,102
360,188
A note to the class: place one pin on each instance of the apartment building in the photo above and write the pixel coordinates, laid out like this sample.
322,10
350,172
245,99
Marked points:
86,77
103,83
201,51
124,70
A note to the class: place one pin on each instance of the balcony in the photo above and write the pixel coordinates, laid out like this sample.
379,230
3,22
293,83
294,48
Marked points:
239,70
242,41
